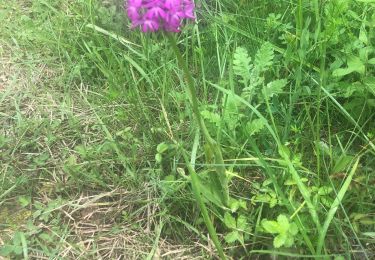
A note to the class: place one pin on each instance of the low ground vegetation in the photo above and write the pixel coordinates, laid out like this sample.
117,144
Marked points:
96,127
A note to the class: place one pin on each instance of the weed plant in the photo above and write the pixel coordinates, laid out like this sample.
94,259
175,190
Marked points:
98,140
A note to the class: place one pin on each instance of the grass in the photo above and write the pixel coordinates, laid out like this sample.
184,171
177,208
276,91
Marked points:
99,147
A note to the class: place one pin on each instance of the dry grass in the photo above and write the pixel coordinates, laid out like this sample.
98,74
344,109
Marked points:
83,223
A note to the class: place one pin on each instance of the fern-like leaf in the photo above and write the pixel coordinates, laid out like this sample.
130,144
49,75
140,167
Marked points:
242,65
274,88
264,57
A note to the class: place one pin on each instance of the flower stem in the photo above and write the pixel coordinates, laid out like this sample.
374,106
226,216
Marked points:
220,179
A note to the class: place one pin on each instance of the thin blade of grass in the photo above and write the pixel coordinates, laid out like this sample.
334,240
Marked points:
332,211
198,196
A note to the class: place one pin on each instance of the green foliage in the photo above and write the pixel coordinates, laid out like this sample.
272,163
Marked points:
242,65
239,227
264,58
97,131
285,231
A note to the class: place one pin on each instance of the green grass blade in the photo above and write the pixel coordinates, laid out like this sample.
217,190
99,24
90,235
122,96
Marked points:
198,196
332,211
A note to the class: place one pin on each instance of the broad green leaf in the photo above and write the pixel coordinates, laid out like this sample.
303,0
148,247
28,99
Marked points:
243,204
341,72
369,234
289,241
271,226
342,163
293,229
162,147
273,202
7,250
233,204
231,237
279,240
354,64
229,220
242,222
158,158
236,204
209,191
283,223
24,201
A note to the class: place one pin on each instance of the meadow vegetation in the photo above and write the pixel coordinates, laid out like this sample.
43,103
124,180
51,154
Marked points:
98,141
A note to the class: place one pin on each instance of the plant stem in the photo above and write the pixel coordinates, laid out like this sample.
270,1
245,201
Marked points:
203,208
220,179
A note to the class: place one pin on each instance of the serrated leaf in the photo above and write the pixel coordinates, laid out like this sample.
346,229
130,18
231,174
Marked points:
211,117
231,113
242,65
279,240
289,241
231,237
274,88
229,220
283,222
293,229
254,126
242,222
234,205
271,226
264,57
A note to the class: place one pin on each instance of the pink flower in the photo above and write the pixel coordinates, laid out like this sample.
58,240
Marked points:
154,15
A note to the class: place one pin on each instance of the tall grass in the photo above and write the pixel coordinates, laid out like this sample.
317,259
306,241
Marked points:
102,157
